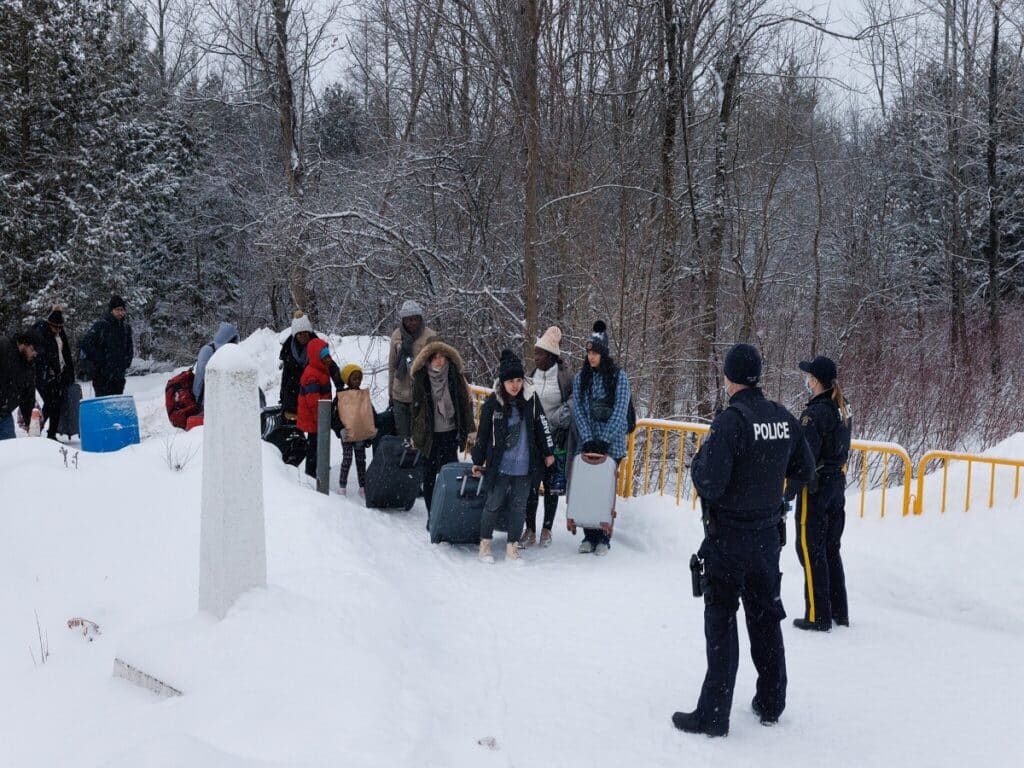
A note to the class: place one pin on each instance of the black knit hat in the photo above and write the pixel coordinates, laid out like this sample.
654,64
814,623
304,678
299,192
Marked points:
598,341
822,368
56,316
743,365
116,302
510,367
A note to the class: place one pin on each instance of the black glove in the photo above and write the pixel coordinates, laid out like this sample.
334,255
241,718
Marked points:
596,446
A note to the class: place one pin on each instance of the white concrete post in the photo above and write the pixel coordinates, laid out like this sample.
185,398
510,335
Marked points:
232,539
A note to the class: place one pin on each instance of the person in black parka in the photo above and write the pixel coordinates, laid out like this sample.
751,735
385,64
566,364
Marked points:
514,444
17,380
55,368
753,450
821,507
293,363
108,349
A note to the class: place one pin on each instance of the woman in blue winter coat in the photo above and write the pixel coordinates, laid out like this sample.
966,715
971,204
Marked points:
602,398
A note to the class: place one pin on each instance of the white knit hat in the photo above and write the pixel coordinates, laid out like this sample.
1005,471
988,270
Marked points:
550,341
410,309
300,323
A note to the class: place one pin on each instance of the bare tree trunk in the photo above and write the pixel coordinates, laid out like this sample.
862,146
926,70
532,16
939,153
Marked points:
991,152
816,250
954,222
529,32
291,156
712,267
664,401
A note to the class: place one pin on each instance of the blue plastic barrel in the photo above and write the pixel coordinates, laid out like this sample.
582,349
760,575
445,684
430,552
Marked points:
108,423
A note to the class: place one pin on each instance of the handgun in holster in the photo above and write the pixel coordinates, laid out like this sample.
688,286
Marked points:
783,515
697,575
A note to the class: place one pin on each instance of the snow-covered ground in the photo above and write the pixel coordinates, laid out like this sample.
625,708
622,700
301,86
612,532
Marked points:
371,647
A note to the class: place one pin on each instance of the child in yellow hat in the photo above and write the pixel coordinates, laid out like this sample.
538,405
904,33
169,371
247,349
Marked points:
352,377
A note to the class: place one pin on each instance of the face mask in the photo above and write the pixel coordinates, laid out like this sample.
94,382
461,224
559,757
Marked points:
808,387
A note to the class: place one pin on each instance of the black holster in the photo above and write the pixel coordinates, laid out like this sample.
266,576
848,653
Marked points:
697,575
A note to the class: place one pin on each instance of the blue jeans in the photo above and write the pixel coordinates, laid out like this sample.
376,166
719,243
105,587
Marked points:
7,427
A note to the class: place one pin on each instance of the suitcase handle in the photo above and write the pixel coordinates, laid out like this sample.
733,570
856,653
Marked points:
465,479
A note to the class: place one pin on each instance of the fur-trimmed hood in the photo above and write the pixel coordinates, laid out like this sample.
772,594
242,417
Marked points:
432,347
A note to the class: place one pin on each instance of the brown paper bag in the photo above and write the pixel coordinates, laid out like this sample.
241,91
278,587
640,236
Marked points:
356,413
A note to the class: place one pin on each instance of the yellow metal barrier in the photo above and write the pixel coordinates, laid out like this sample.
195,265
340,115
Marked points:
683,430
653,437
971,459
887,452
479,394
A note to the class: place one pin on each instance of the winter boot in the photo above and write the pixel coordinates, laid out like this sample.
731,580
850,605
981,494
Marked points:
601,549
759,711
528,539
814,626
343,491
485,552
512,552
586,547
690,723
545,537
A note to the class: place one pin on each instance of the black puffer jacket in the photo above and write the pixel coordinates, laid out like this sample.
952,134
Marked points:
17,381
490,443
49,375
109,347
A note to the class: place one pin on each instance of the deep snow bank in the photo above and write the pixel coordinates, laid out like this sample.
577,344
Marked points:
372,648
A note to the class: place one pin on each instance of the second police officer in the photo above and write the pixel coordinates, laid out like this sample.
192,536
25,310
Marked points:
821,510
754,447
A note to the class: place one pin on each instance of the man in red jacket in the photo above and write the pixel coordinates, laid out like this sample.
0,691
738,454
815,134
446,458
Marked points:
314,386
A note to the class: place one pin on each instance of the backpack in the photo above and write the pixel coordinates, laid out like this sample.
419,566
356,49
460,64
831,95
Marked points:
178,399
86,367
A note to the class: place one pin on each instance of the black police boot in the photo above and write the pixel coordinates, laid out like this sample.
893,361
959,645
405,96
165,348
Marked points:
690,722
844,622
765,719
814,626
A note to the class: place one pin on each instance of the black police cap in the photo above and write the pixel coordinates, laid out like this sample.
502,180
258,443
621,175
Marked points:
822,368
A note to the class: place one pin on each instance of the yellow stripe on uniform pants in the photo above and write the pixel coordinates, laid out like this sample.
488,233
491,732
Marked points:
807,558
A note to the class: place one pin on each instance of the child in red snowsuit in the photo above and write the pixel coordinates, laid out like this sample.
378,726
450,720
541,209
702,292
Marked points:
314,386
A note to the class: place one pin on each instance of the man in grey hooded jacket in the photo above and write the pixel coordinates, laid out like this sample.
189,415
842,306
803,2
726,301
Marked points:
226,334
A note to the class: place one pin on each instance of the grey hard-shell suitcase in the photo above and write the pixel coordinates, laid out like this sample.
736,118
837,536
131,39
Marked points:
591,490
457,505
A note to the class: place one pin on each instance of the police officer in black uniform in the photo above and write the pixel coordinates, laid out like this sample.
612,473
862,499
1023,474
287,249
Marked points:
821,510
753,447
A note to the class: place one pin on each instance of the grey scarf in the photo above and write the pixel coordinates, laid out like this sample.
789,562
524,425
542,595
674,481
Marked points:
440,393
405,354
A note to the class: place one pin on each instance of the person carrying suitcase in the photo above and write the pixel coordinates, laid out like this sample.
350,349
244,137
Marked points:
514,444
442,411
602,407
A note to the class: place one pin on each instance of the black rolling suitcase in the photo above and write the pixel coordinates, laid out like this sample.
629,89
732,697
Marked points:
394,476
457,505
69,412
287,437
